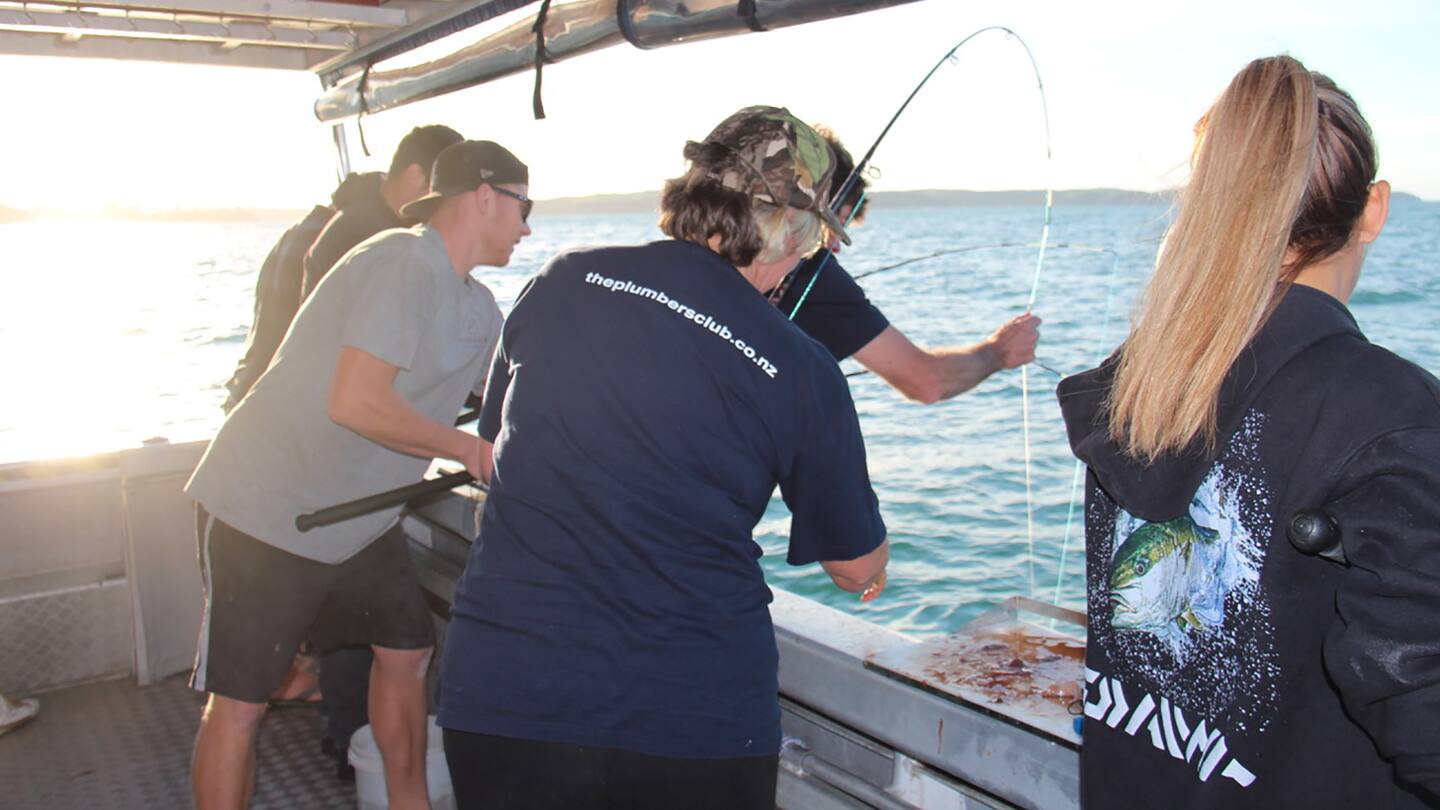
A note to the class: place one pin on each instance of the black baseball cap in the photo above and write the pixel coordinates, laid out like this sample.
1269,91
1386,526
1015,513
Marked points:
464,167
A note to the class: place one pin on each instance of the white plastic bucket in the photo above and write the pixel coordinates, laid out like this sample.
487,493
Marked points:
370,770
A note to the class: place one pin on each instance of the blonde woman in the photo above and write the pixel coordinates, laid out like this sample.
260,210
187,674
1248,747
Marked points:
1227,667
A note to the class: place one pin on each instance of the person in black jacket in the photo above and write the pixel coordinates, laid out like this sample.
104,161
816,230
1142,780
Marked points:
277,290
1228,666
366,215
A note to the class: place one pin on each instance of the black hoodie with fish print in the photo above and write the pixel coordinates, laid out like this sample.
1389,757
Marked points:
1226,669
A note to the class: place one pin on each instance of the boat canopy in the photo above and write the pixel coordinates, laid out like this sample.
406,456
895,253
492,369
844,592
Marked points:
556,32
284,34
346,43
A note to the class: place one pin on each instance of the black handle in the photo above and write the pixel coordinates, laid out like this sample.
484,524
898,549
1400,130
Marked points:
382,500
1315,532
473,402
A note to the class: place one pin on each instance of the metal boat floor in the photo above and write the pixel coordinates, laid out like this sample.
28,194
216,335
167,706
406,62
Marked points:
116,745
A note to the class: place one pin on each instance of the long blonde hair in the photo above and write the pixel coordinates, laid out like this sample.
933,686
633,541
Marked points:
1281,166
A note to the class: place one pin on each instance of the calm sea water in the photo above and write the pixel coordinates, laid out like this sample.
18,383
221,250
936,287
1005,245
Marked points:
115,332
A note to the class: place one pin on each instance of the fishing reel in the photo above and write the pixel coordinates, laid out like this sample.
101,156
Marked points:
1314,533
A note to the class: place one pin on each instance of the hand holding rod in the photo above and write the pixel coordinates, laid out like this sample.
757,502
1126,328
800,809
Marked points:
383,500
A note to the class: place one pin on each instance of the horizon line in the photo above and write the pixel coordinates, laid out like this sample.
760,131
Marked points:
264,212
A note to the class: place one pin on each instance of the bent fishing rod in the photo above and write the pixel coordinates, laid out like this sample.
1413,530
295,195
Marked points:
837,200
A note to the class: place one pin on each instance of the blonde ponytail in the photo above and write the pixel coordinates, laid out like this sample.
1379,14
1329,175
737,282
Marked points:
1220,269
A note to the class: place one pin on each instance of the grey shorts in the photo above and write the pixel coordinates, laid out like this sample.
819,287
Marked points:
261,602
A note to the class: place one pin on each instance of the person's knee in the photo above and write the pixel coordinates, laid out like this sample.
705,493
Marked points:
403,663
233,715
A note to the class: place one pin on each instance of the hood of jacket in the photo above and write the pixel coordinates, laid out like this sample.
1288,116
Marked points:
357,190
1162,490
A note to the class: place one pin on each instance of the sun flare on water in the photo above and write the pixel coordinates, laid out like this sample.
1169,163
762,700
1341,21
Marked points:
95,341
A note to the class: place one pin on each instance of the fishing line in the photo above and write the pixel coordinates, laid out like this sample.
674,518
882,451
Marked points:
1029,306
862,372
971,249
1102,347
1078,475
937,254
837,201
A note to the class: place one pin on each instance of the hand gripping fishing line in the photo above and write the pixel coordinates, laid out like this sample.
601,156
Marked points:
837,201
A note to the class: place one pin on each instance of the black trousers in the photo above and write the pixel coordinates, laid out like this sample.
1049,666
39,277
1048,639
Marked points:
345,690
490,772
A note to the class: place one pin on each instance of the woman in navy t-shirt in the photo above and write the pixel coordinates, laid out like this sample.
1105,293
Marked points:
610,643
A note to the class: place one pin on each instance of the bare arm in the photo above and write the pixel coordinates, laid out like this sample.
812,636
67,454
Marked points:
863,575
363,399
931,375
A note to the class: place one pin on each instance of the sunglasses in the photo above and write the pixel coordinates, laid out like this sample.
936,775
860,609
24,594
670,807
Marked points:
525,202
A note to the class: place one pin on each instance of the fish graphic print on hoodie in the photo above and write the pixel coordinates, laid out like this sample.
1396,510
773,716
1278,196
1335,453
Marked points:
1171,579
1184,610
1225,668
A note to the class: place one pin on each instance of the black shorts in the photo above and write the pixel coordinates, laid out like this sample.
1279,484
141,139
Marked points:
488,771
261,602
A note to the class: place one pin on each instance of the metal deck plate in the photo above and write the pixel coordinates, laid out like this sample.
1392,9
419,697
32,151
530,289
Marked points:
65,635
1023,662
115,745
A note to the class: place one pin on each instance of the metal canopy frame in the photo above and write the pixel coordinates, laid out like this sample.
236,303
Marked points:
456,16
279,34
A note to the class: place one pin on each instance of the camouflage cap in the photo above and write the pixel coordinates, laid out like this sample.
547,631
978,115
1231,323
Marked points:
777,158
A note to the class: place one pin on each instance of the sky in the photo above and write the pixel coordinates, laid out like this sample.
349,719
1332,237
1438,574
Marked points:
1124,82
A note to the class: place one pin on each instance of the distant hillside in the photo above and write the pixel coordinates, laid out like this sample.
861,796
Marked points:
648,201
205,214
965,199
170,215
640,202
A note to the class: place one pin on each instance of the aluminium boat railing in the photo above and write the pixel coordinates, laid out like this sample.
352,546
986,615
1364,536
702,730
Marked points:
98,579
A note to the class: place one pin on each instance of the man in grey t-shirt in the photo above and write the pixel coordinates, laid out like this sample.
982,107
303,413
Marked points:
359,398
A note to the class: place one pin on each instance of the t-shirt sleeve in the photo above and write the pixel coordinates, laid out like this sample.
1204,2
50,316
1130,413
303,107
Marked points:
391,309
836,311
834,512
497,381
496,384
1383,652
